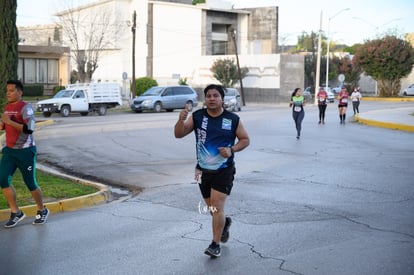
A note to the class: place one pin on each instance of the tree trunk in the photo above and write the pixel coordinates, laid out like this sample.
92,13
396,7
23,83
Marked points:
389,88
9,39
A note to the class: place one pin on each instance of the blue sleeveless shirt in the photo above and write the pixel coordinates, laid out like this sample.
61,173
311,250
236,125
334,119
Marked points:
211,133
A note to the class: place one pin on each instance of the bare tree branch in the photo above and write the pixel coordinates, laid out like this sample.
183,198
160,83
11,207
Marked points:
89,33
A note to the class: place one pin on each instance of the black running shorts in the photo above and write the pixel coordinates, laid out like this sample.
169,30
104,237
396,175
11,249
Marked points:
220,180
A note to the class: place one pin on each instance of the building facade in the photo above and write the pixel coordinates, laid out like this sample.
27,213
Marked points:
42,58
170,40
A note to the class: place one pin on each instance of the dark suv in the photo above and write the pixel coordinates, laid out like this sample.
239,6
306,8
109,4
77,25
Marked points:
165,98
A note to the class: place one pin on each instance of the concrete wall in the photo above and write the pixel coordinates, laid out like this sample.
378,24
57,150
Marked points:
292,74
271,77
263,30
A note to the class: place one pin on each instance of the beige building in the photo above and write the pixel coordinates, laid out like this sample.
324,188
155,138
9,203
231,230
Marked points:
42,58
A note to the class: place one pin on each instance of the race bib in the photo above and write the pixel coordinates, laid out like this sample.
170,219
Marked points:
344,100
297,108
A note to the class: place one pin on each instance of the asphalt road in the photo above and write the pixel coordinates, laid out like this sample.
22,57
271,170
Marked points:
338,201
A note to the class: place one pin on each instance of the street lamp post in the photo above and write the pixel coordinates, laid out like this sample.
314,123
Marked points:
327,48
318,61
233,35
133,30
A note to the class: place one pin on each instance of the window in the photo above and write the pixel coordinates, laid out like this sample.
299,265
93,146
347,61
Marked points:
219,39
182,91
29,69
41,76
79,94
219,48
32,70
168,92
53,71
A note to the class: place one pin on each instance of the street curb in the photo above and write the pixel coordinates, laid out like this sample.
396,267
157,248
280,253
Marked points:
383,124
71,204
64,205
392,99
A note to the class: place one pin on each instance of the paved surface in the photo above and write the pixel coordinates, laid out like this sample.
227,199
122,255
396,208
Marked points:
392,117
315,227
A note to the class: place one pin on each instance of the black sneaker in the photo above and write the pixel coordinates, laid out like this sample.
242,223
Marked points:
15,218
41,216
226,234
213,250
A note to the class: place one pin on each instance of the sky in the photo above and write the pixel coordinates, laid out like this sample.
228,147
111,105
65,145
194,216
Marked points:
343,22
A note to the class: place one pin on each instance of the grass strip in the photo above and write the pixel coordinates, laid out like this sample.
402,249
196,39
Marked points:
53,189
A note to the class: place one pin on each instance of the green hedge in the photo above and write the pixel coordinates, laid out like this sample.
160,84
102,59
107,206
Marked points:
33,90
144,83
56,89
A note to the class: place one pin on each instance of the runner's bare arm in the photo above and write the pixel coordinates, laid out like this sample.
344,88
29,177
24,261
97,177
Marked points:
184,125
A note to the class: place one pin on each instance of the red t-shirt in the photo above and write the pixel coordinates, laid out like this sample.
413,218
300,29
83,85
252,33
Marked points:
22,113
322,96
343,98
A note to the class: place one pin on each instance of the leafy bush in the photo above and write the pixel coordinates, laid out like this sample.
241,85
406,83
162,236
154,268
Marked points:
183,81
144,83
56,89
195,2
33,90
225,71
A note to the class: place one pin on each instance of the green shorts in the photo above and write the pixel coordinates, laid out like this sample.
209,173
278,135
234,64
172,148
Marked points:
25,160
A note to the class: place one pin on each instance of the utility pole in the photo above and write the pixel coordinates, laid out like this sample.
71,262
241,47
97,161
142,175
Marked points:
233,35
318,62
327,48
133,29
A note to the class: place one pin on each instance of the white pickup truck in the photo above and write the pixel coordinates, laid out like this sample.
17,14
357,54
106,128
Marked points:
83,99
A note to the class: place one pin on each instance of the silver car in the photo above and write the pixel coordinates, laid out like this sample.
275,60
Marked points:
307,93
330,94
232,99
409,90
167,98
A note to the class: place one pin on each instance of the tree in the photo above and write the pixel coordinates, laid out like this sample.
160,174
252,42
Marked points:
309,43
351,71
225,71
387,60
9,39
89,34
351,50
144,83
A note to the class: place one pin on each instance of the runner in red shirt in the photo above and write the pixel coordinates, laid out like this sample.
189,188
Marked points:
343,104
19,152
322,104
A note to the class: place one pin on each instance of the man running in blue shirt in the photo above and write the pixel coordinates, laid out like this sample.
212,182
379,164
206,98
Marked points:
216,130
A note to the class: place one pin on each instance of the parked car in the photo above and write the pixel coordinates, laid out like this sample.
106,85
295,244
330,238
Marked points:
167,98
331,95
232,99
337,89
307,93
409,90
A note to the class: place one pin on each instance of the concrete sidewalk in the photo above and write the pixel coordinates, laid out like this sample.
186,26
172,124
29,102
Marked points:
398,119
